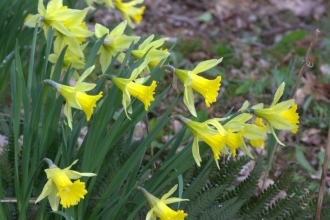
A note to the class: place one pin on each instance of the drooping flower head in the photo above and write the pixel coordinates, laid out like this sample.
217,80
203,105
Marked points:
76,97
129,11
114,42
191,80
130,88
211,132
52,16
282,116
238,129
159,207
258,124
154,55
59,187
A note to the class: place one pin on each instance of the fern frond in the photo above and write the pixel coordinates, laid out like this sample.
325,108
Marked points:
245,189
227,210
204,201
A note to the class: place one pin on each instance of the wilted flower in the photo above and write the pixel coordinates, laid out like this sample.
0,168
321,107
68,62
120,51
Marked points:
76,97
59,187
191,80
159,207
114,42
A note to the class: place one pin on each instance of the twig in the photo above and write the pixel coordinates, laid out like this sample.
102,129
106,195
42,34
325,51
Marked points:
323,177
305,62
293,92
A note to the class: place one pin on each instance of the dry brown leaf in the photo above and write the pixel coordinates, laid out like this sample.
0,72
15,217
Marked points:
301,8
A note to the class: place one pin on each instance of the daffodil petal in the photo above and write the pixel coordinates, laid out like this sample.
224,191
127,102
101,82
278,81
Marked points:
244,148
68,114
195,152
278,94
271,129
169,193
188,100
206,65
100,30
46,190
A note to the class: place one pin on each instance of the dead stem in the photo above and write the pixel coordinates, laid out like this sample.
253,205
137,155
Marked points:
323,177
293,92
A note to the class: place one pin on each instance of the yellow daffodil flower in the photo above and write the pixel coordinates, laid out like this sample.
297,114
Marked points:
262,127
282,116
114,42
159,207
239,128
215,137
154,55
70,58
130,12
52,16
59,187
129,88
76,97
207,88
234,140
79,32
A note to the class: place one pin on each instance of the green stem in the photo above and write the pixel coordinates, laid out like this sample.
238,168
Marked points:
248,110
168,67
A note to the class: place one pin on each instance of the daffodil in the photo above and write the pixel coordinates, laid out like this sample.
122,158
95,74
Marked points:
59,187
70,58
130,88
238,128
262,127
282,116
76,97
52,16
211,132
79,32
159,207
129,11
114,42
154,55
192,81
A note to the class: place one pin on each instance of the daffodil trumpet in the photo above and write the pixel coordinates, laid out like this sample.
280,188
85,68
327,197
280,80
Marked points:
279,115
60,189
159,207
76,97
211,132
134,87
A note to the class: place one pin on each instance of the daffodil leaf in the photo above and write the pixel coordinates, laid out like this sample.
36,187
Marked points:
205,65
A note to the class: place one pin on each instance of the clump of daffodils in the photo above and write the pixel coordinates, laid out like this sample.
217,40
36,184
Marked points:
59,187
159,207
